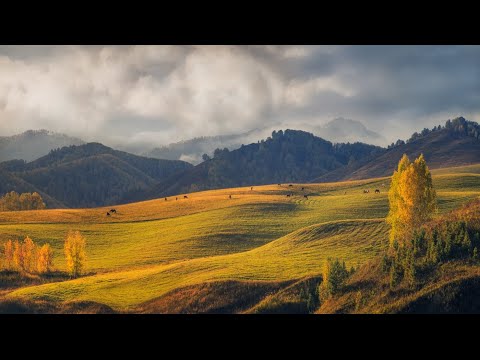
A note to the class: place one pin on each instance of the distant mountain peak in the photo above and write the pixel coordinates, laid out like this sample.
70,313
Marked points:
32,144
347,130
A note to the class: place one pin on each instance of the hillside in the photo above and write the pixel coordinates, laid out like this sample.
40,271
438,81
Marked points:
87,175
456,143
290,156
33,144
338,130
260,250
192,150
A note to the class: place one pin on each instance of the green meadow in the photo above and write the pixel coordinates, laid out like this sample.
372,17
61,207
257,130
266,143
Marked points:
150,248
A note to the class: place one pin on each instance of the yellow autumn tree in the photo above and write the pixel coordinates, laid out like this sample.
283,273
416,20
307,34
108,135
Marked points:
8,263
29,250
45,259
75,253
412,199
18,256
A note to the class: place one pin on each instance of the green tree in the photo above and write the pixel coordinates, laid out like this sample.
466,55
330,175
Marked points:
395,275
334,276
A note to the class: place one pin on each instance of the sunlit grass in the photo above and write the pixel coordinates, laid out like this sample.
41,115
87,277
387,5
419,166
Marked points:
152,247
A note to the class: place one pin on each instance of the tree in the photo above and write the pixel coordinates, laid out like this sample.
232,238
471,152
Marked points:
412,199
395,275
205,157
13,201
8,254
18,256
45,259
410,270
334,276
75,253
29,253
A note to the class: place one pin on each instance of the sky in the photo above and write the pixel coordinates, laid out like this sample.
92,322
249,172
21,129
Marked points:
162,94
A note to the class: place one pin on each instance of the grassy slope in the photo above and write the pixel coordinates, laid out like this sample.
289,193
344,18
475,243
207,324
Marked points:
154,247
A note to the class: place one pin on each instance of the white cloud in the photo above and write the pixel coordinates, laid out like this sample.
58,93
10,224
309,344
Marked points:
301,92
169,93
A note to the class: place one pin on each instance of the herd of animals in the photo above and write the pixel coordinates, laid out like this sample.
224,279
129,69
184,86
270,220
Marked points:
366,191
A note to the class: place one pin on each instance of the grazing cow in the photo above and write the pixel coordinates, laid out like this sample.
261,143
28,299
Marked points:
176,198
377,191
165,199
305,196
113,211
290,185
366,191
229,196
108,214
185,196
279,184
303,188
288,195
345,193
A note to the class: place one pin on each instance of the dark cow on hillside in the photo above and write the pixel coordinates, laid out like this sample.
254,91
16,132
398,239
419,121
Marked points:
251,188
108,214
185,196
290,185
303,188
229,196
165,199
279,184
377,191
288,195
176,198
366,191
305,196
113,211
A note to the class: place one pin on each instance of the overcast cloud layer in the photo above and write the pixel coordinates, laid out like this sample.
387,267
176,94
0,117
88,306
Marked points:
163,94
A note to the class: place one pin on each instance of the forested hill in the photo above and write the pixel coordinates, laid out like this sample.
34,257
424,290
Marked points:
86,175
290,156
455,143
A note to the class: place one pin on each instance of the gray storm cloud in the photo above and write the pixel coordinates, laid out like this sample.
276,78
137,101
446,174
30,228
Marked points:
162,94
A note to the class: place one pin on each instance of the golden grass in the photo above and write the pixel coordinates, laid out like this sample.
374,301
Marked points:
152,247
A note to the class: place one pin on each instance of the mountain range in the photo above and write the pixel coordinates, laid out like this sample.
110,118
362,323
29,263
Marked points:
298,156
32,144
93,174
338,130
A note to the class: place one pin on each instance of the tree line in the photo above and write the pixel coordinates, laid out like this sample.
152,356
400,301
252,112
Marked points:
14,201
458,126
27,257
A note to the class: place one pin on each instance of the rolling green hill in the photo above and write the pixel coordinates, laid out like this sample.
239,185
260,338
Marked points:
151,253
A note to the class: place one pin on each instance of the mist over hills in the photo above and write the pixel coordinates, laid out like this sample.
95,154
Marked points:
32,144
338,130
93,174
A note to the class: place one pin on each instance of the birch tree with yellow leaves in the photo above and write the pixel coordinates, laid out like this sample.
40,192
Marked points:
75,253
412,199
45,259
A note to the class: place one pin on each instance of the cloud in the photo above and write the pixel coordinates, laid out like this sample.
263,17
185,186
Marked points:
162,94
